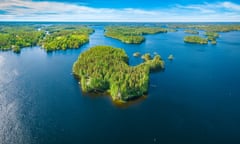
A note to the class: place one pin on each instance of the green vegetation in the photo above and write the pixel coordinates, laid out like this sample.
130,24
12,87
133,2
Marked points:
136,54
55,37
16,37
211,36
106,69
64,37
146,57
195,39
171,30
131,34
191,31
208,27
211,31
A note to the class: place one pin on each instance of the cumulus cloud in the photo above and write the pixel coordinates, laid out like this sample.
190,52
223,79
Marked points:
230,6
27,10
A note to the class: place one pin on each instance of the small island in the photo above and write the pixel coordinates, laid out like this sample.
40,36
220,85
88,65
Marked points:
191,32
136,54
195,40
106,69
170,57
131,34
212,36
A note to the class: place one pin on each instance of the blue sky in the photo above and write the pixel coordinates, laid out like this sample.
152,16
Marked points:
120,10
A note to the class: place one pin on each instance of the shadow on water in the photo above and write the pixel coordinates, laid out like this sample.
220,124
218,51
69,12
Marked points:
95,95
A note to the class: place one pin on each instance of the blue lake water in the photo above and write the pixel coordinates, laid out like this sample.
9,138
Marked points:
194,100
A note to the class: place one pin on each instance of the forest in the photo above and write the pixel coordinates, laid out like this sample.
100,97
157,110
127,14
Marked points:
131,34
191,31
65,37
207,27
106,69
195,39
54,37
16,37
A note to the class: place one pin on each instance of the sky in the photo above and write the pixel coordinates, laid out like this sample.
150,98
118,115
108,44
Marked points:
121,10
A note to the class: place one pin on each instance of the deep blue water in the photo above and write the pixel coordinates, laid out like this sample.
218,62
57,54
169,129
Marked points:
194,101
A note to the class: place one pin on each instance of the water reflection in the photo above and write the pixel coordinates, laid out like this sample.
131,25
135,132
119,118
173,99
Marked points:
12,131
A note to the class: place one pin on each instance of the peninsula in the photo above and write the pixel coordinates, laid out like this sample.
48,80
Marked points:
131,34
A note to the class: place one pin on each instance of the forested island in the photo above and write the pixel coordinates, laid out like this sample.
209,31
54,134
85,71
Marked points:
195,39
65,37
106,69
131,34
191,31
55,37
210,36
211,31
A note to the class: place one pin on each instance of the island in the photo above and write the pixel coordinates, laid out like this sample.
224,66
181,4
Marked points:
212,36
136,54
195,40
65,37
211,31
191,31
131,34
170,57
106,69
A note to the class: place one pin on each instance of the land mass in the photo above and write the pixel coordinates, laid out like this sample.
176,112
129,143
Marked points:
191,31
55,37
131,34
65,37
15,37
106,69
195,39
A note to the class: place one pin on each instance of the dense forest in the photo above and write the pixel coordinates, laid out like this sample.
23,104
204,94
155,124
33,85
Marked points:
55,37
191,31
211,31
131,34
64,37
16,37
207,27
106,69
212,36
195,39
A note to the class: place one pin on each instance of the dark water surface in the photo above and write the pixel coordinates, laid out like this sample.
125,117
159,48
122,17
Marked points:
195,100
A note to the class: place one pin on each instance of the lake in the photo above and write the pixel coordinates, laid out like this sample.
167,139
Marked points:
194,100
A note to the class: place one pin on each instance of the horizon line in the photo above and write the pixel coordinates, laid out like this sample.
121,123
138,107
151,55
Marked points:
134,21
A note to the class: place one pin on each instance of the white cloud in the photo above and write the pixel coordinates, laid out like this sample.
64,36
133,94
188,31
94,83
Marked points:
27,10
230,6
